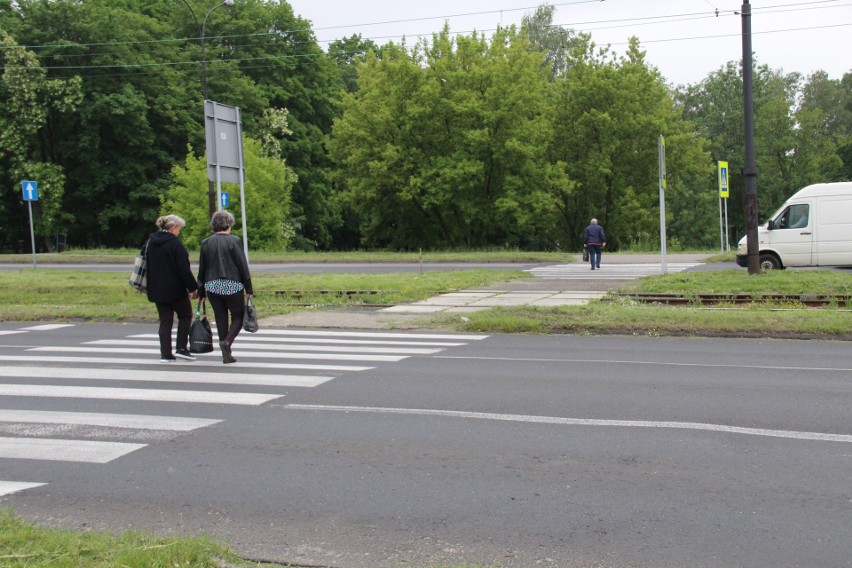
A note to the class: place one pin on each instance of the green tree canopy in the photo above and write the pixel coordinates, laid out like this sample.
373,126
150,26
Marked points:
268,185
445,144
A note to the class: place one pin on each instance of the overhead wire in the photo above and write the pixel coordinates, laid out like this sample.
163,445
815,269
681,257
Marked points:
619,23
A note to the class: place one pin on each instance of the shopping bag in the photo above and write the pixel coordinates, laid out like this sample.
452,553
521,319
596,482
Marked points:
200,333
250,319
585,254
139,274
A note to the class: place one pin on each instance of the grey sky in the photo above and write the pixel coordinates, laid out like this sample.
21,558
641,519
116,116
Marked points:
683,38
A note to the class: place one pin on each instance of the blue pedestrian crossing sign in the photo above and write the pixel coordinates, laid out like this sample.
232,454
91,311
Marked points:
30,189
226,199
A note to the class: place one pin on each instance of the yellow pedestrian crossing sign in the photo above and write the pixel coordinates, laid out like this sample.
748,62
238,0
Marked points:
723,180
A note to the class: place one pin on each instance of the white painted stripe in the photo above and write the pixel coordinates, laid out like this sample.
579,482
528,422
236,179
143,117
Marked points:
255,338
197,363
135,421
85,451
11,332
310,333
599,362
308,348
48,327
9,487
237,353
204,397
816,436
164,376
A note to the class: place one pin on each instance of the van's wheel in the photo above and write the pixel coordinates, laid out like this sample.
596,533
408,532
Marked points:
770,262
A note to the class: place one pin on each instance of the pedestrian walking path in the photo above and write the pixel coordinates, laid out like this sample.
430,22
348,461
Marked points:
582,271
91,401
556,276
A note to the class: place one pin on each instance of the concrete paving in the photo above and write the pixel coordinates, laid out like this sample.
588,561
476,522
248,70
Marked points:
555,285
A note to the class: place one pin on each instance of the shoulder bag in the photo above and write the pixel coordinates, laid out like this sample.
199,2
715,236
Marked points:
139,274
200,333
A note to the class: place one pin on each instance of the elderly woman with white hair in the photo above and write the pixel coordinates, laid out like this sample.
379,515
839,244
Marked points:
224,278
171,285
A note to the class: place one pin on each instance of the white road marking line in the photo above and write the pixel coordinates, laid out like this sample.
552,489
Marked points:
197,363
254,338
308,348
11,332
311,333
599,362
237,353
9,487
815,436
154,395
163,376
47,327
134,421
50,449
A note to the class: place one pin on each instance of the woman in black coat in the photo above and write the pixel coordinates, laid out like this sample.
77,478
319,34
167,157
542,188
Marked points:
171,285
224,278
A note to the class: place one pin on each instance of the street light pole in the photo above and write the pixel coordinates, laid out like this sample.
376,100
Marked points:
200,31
203,51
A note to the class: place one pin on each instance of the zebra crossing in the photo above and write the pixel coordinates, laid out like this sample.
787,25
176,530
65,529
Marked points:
127,369
581,270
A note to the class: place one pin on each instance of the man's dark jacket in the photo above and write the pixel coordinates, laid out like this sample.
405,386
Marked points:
222,257
594,235
169,274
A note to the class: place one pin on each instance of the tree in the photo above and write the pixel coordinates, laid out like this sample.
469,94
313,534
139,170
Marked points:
348,53
793,145
29,98
610,113
445,145
557,43
268,185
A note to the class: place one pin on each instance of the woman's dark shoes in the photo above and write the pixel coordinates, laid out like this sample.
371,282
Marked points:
226,352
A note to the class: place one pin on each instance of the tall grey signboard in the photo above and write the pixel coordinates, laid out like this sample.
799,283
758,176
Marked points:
223,131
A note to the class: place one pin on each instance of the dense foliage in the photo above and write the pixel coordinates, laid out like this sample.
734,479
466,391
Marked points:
514,140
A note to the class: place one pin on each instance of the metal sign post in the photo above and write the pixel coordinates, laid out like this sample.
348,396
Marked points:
225,162
661,147
30,191
724,192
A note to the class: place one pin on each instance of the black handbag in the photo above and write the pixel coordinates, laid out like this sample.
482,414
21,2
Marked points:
139,274
200,333
250,319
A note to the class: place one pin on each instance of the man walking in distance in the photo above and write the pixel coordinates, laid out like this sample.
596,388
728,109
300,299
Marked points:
594,239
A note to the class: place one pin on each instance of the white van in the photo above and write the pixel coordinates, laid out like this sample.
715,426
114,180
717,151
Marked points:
812,228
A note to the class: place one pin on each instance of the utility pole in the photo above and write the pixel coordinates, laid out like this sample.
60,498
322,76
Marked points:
750,168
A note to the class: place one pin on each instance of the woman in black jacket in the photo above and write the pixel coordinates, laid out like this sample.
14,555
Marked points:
170,286
224,278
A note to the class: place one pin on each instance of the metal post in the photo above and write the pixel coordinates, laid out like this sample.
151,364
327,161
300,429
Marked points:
750,168
32,232
727,241
661,149
242,184
721,233
201,31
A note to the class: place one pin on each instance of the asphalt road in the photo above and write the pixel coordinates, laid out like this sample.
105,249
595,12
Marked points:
507,450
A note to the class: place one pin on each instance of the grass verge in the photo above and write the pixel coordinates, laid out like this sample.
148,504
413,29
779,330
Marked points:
24,545
619,315
43,294
649,320
740,282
